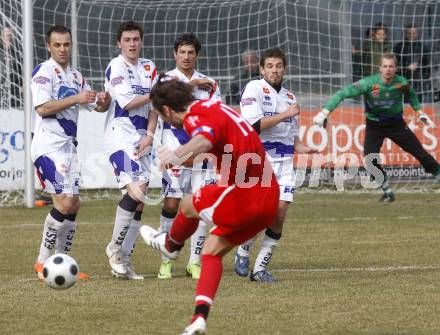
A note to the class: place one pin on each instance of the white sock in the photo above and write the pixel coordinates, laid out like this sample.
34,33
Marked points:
65,237
48,240
122,224
130,239
165,225
197,241
245,248
264,257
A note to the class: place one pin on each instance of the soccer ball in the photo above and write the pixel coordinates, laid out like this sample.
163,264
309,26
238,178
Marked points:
60,271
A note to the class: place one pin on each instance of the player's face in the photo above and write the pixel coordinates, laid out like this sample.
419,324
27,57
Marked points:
170,116
60,46
388,69
186,58
273,71
130,45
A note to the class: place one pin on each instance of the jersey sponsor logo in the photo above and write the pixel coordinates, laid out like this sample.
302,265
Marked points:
375,90
41,80
65,92
139,90
248,101
266,90
385,103
117,81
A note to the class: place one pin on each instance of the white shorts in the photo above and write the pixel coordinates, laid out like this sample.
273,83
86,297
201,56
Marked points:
129,170
179,181
58,171
286,178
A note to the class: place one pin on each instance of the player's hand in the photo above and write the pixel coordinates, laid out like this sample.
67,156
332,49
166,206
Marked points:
85,97
103,99
203,83
144,146
293,110
168,158
321,118
425,119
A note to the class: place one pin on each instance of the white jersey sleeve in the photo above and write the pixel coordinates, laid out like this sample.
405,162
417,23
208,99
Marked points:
119,84
251,103
41,86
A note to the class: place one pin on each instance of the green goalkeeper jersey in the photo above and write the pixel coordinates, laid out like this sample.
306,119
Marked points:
382,101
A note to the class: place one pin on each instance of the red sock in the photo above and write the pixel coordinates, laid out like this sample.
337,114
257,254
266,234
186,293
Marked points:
182,228
207,285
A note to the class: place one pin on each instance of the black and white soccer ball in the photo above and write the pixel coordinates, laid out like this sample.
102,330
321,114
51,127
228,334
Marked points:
60,271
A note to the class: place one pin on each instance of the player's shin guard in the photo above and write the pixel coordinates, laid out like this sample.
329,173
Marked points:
270,241
53,224
197,241
166,221
207,285
130,238
66,235
180,231
123,219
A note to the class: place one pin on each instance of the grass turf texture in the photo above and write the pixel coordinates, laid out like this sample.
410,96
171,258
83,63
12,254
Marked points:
347,264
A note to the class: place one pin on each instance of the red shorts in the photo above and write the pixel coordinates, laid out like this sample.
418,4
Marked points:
237,213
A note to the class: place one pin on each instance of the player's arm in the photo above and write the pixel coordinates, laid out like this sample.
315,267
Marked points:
267,122
56,106
121,90
202,83
137,101
415,104
349,91
199,144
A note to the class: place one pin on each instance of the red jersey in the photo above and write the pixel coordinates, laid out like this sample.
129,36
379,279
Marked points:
241,158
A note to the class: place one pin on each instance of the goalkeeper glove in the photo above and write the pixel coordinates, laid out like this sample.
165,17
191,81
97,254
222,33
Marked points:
321,118
425,119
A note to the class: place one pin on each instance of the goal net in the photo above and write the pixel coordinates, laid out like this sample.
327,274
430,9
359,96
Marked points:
328,44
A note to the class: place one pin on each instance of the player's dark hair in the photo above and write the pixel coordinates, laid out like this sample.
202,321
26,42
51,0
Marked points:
388,55
129,26
172,93
273,53
187,39
57,29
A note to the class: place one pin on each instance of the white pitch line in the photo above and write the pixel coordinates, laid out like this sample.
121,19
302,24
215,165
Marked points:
396,268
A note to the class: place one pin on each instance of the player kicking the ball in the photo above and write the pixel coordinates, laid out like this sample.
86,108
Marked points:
58,91
241,204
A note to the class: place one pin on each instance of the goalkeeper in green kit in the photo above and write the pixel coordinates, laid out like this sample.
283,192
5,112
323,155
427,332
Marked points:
383,94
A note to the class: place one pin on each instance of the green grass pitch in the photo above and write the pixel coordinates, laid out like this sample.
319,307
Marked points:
346,264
